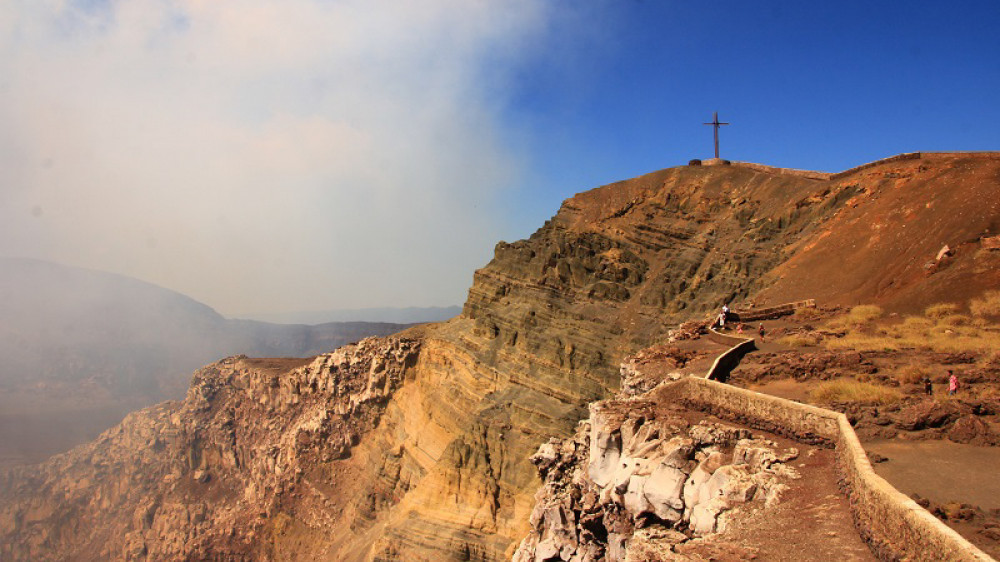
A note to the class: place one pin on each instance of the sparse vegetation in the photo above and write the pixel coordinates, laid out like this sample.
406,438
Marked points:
853,392
941,329
808,314
859,317
941,310
988,305
954,320
912,373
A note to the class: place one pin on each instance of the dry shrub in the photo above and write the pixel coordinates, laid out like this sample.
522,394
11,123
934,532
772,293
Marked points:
917,323
859,317
912,373
954,320
951,333
988,305
853,392
865,313
941,310
808,314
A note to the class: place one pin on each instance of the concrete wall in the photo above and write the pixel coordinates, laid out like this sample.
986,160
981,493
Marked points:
752,314
893,524
726,362
725,339
808,174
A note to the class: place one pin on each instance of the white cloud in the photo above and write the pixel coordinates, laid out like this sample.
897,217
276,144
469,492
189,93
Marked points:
261,154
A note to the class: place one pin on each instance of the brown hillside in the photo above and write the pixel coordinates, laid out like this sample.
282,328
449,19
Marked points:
881,246
418,449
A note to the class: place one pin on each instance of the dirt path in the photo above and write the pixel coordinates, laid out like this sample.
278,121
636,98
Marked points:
941,471
811,522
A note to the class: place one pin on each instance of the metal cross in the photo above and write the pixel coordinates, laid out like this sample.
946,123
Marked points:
715,123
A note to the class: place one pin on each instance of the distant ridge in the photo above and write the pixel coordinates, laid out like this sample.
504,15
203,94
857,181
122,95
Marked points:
80,348
409,315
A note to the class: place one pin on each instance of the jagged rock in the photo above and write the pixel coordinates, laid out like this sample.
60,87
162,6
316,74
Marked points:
701,474
707,433
972,429
653,543
246,433
641,478
705,515
605,450
635,498
925,414
760,455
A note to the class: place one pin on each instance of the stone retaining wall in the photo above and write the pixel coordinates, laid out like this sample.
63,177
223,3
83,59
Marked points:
770,312
725,339
808,174
726,362
892,523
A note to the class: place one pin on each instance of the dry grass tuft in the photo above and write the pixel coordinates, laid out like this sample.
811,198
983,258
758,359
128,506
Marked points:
941,310
940,330
988,305
859,317
917,323
912,373
853,392
808,314
865,313
954,320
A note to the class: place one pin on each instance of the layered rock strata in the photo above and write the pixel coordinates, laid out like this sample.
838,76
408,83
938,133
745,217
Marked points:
444,473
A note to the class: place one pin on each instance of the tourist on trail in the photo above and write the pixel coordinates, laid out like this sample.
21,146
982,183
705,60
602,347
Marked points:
722,320
928,387
761,331
952,383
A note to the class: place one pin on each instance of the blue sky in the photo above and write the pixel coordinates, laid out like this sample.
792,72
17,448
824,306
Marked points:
276,155
812,85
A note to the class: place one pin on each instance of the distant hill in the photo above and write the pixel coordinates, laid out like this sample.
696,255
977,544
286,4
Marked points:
80,348
410,315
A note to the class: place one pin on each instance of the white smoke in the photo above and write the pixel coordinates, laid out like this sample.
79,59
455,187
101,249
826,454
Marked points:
261,155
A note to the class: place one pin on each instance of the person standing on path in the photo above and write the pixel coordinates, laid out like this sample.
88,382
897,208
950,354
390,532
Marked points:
761,331
952,383
928,387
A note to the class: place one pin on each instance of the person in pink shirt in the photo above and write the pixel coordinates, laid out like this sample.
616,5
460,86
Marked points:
952,383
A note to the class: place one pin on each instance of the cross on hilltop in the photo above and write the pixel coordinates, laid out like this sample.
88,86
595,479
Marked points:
716,124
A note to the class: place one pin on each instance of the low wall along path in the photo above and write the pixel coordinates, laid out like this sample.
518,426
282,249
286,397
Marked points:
893,524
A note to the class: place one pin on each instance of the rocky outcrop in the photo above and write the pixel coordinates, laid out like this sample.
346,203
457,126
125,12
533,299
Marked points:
214,476
637,477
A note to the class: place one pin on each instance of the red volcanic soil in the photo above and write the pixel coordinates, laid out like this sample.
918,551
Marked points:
879,248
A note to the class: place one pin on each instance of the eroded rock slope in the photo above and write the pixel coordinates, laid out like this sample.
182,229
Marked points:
430,462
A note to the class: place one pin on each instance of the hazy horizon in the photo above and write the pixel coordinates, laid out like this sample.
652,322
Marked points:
320,155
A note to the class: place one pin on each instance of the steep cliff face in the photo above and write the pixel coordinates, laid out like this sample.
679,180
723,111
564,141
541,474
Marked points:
252,446
547,323
436,464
